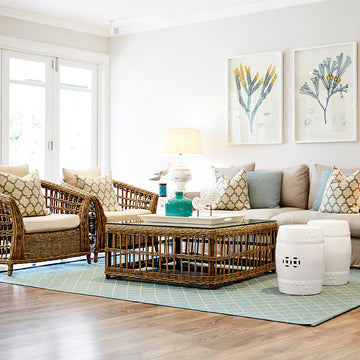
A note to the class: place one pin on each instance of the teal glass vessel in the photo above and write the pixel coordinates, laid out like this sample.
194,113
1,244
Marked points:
178,205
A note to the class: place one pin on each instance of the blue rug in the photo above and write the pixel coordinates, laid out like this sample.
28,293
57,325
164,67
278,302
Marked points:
258,297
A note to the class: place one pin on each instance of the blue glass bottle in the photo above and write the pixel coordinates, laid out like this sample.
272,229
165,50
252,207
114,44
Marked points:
162,190
178,205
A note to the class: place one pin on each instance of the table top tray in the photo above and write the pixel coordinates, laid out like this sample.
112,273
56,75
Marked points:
193,221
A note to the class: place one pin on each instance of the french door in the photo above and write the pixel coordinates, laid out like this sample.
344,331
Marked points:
49,113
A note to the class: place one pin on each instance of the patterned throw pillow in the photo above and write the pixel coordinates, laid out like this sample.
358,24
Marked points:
233,193
26,191
342,194
102,188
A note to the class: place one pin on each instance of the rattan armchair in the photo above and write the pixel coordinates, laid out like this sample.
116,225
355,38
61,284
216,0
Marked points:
18,246
129,198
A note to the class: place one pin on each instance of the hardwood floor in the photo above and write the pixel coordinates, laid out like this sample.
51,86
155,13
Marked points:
42,324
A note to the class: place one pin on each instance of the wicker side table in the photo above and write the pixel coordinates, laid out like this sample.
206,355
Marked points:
205,257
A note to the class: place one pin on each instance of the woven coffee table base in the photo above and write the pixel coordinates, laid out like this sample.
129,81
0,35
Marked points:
190,256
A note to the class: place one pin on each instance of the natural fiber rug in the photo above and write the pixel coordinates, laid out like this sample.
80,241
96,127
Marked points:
258,297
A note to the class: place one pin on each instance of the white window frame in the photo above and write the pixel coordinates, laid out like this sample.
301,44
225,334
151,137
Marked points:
100,59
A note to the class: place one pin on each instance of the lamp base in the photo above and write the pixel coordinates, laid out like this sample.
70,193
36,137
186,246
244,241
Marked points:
181,174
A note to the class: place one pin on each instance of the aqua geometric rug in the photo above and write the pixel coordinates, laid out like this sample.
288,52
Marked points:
258,297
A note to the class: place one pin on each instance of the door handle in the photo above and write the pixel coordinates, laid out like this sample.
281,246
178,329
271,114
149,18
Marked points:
50,145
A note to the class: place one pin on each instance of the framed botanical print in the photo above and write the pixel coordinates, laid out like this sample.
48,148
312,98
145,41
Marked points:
325,97
255,88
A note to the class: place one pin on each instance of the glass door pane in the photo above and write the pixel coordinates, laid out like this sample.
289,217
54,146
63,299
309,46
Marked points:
75,129
77,115
25,109
27,126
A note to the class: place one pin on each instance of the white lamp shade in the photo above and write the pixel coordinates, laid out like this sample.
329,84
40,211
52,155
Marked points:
181,141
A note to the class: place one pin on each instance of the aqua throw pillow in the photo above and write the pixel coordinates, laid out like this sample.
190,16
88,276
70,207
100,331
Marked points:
264,189
319,195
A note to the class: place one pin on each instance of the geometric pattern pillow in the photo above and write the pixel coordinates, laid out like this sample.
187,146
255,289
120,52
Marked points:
69,178
102,187
26,191
233,193
342,194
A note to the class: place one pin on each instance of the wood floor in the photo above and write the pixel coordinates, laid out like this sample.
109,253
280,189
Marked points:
42,324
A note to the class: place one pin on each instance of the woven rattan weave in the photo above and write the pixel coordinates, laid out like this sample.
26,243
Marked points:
206,257
18,247
128,197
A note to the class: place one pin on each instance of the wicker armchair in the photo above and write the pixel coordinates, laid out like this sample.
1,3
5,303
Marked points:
129,198
18,246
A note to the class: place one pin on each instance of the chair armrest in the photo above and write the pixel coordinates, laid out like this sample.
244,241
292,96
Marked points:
131,197
11,229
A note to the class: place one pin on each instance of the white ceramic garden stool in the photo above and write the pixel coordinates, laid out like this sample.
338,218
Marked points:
337,243
300,260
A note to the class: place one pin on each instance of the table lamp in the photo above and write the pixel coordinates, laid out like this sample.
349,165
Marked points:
181,142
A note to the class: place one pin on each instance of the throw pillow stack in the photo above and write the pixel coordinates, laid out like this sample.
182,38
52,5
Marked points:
247,189
341,193
91,181
24,189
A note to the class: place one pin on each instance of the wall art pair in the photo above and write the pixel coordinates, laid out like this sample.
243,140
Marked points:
324,93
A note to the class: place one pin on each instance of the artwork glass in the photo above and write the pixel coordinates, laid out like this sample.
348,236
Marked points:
325,93
255,99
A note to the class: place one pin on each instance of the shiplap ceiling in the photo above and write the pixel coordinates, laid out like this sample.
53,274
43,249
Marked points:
132,16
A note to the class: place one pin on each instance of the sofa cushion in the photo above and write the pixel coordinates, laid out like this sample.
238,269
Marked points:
264,188
125,215
50,223
316,173
295,186
261,214
18,170
342,194
303,216
102,187
232,170
69,178
26,191
233,193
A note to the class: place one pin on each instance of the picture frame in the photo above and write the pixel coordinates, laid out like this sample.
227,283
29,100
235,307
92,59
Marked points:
255,93
325,93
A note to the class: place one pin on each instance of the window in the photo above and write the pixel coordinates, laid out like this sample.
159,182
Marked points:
49,113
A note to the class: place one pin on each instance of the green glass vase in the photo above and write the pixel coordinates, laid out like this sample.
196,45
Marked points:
178,205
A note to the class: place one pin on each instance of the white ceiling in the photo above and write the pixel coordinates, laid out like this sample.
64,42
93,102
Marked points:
132,16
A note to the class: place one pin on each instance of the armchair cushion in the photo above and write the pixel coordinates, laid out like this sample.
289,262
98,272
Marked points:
50,223
26,191
101,187
125,215
69,178
19,170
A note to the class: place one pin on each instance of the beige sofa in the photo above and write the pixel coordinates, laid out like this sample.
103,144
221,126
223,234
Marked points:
298,191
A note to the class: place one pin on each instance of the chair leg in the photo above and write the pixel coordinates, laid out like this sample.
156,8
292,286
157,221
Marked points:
88,259
10,269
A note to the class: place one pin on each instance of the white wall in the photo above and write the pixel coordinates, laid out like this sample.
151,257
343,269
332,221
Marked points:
54,35
178,78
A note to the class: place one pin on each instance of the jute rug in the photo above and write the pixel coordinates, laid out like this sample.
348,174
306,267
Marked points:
258,297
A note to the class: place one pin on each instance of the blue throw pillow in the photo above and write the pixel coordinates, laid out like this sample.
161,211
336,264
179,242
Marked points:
264,189
319,195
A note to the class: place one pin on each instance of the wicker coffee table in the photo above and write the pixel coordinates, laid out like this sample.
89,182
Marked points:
205,257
